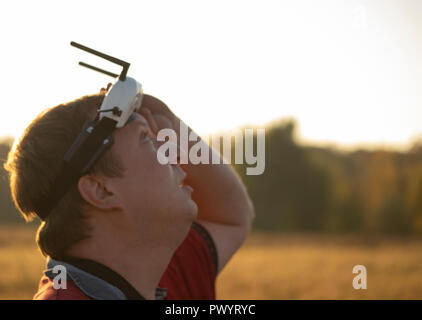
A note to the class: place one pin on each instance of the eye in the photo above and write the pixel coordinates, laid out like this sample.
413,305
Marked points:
144,135
131,118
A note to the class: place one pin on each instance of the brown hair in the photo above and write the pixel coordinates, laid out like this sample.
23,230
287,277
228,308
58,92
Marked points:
36,160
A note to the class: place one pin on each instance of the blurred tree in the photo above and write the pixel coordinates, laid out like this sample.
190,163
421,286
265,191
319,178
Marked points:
8,211
291,194
414,197
315,189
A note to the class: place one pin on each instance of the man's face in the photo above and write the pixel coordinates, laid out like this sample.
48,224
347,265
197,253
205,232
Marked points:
150,192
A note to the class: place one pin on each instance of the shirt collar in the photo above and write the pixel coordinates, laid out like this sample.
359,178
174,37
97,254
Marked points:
91,285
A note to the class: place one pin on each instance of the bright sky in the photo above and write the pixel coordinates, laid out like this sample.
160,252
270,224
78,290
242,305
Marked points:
349,71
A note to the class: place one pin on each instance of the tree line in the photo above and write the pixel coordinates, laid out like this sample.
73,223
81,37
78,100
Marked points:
321,189
316,189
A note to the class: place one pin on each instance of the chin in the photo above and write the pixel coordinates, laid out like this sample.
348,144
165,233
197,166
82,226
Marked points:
190,214
194,209
190,211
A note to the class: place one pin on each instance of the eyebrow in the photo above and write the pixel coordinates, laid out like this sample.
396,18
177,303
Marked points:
141,122
131,118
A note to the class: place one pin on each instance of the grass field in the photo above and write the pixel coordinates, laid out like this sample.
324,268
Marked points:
267,267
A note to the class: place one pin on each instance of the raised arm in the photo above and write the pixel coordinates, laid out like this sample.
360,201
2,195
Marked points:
224,207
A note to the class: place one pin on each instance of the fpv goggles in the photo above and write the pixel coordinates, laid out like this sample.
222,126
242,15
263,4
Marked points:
120,102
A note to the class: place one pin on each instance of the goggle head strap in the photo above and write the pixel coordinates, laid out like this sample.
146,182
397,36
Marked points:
89,146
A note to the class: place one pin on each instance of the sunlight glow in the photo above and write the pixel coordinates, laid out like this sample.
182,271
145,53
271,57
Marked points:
349,72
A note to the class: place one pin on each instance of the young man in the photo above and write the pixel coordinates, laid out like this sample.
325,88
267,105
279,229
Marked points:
131,228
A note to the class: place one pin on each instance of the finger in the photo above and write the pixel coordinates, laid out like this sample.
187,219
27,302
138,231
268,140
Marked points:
106,89
162,121
155,105
150,119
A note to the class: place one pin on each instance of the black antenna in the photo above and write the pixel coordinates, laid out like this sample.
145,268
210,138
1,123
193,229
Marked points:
122,63
86,65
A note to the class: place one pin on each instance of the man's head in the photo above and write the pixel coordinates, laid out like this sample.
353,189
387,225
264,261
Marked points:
127,189
149,192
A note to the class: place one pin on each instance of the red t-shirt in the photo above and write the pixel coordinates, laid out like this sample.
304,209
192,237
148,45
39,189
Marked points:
191,273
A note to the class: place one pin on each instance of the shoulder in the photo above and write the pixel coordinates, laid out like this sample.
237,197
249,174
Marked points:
198,248
192,271
205,242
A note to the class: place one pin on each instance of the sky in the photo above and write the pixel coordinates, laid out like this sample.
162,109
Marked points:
348,71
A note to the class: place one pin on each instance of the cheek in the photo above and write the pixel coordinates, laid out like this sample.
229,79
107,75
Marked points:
163,177
149,174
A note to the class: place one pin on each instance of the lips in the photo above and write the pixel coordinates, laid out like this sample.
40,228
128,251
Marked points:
184,186
187,188
182,183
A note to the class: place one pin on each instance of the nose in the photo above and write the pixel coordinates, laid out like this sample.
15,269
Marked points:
175,153
181,172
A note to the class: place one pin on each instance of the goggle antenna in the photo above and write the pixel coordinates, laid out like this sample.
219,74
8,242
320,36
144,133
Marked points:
122,63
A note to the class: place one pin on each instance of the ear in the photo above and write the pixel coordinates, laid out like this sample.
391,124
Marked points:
97,193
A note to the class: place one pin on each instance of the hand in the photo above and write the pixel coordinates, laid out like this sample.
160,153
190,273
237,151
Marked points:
158,115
